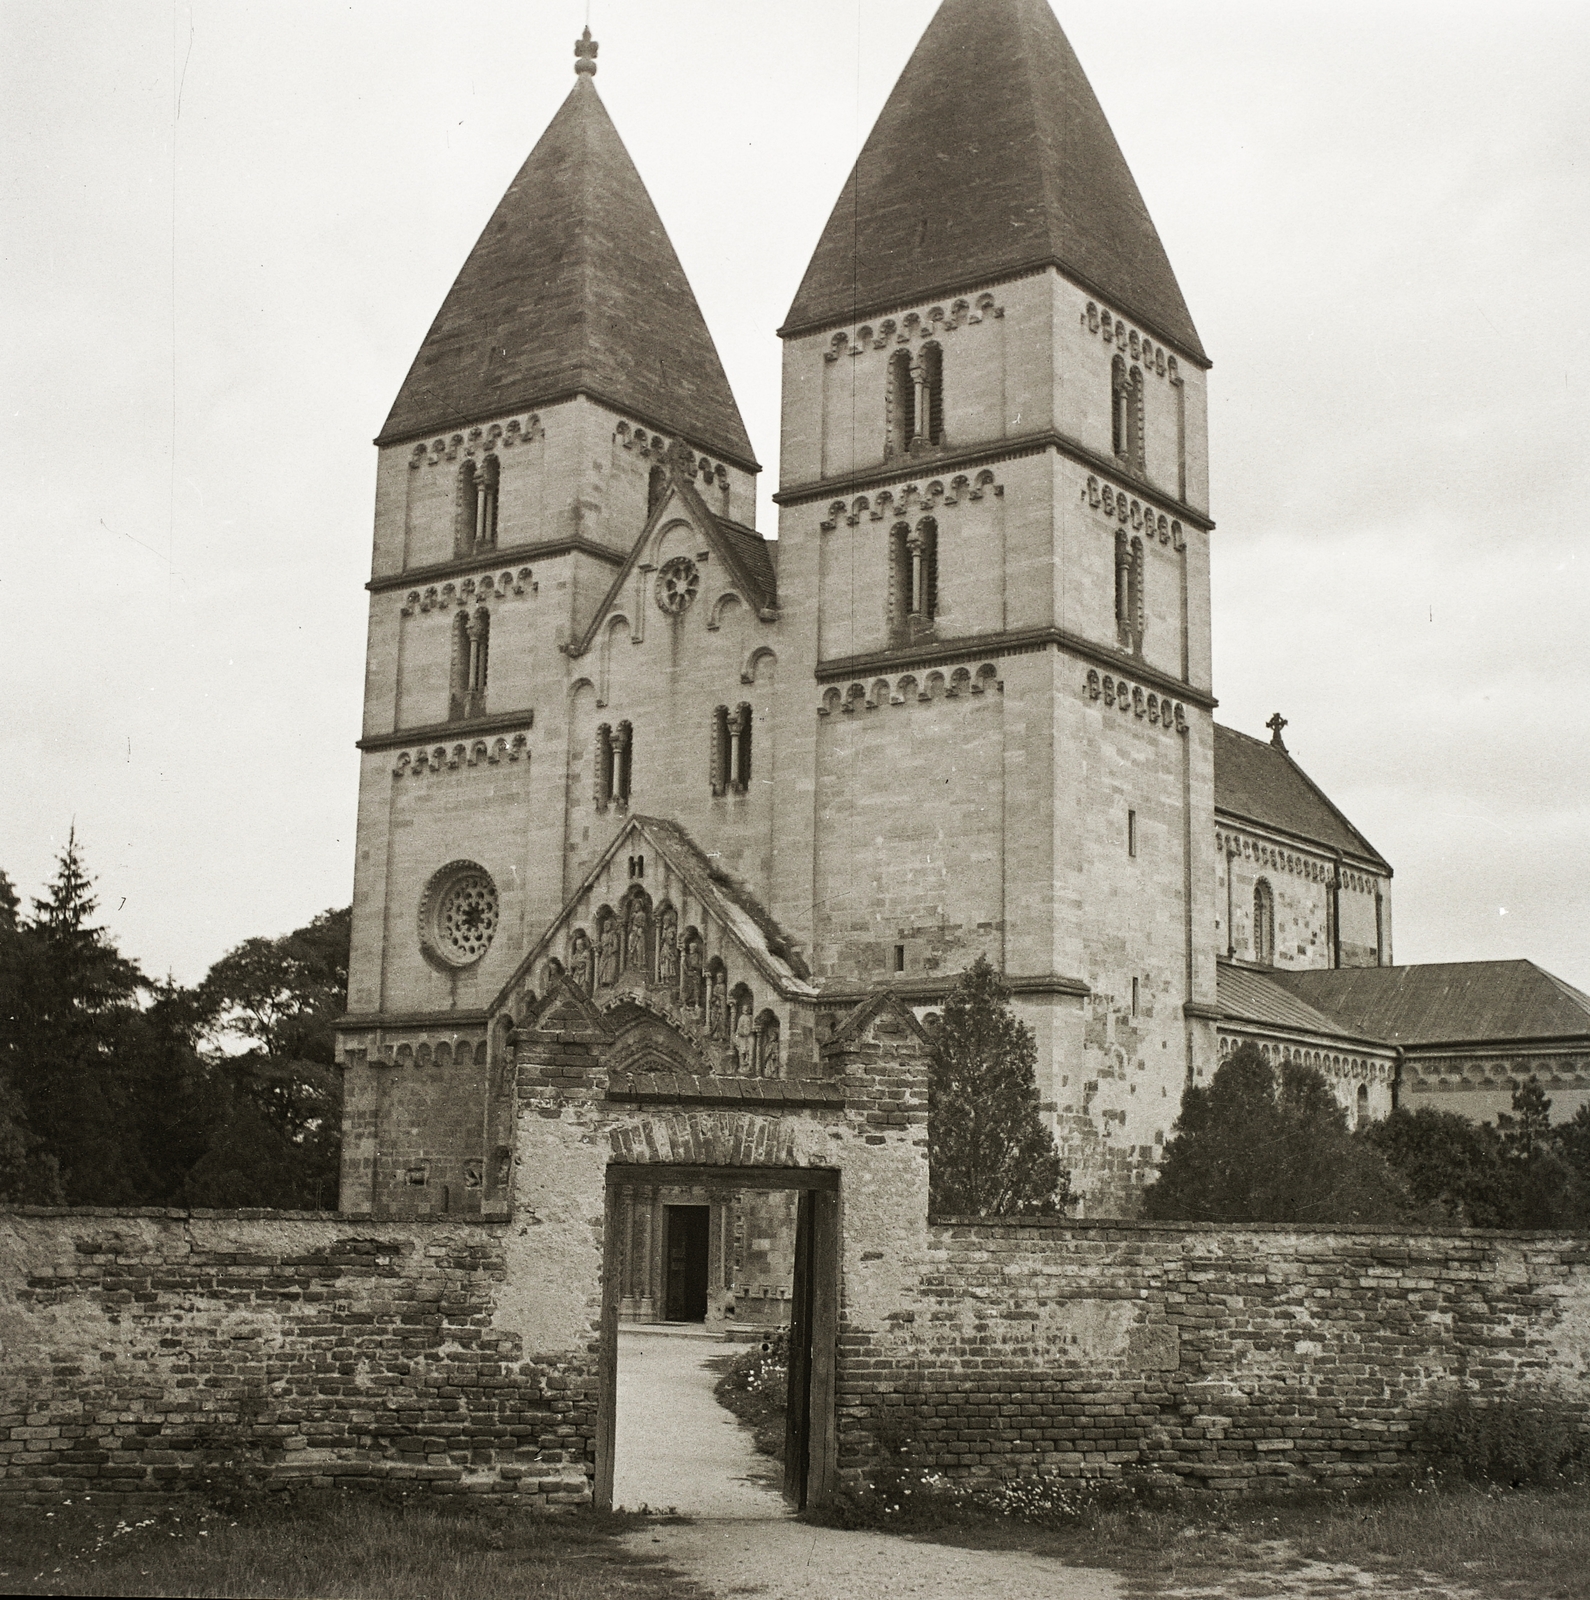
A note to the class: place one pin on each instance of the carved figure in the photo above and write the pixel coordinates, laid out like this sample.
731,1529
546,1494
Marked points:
744,1043
580,962
692,984
607,964
770,1063
636,956
668,948
715,1019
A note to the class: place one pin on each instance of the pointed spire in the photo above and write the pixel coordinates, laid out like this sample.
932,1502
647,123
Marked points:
573,288
992,156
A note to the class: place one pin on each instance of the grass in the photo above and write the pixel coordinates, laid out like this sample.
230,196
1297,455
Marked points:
1457,1540
353,1548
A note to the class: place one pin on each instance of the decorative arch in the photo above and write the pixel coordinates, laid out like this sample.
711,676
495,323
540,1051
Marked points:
725,605
762,658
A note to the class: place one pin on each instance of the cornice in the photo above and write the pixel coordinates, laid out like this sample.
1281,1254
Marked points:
922,991
1375,867
1021,641
937,463
448,730
454,421
365,1020
490,560
1014,274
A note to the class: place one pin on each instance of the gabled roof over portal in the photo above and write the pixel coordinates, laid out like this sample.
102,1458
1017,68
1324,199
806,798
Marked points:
1256,781
992,156
1446,1002
574,288
744,553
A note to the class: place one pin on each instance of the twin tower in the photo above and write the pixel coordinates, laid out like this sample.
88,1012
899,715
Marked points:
727,787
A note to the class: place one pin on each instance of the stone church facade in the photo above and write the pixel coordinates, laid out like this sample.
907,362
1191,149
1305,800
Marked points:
727,789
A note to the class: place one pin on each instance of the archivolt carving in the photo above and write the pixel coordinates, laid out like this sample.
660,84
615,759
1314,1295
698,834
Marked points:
469,753
935,685
1115,330
914,497
913,325
470,591
1131,699
1127,508
484,439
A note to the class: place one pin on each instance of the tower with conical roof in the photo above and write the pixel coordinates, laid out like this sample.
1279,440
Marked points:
993,546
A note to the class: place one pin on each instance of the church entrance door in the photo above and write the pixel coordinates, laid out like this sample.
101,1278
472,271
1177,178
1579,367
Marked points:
686,1293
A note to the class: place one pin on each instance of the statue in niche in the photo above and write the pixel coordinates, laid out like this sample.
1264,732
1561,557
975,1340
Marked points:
717,983
607,961
636,954
692,986
744,1042
770,1062
580,962
668,948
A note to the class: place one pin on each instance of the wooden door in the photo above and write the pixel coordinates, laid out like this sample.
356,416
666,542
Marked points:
686,1291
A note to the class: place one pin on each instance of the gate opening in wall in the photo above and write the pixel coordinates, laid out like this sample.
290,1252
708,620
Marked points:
702,1265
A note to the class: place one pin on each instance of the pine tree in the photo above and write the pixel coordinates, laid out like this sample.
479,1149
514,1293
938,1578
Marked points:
990,1154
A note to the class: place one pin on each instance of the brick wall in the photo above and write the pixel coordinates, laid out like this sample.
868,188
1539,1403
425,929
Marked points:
1205,1358
145,1351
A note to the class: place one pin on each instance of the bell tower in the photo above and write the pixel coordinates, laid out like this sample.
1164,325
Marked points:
994,550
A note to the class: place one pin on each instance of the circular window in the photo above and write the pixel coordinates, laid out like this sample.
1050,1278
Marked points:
677,582
458,914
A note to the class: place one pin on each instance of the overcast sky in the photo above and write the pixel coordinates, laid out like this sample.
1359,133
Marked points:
227,227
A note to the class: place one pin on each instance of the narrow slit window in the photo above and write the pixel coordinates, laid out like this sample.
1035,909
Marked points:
899,958
1131,833
1134,997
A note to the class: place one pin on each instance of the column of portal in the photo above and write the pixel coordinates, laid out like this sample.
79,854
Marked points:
659,1306
626,1245
642,1258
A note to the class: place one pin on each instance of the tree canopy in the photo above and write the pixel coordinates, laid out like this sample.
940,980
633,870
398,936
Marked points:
990,1153
117,1089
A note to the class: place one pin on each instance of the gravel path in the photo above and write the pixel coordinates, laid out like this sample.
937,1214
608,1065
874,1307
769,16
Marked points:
789,1561
676,1446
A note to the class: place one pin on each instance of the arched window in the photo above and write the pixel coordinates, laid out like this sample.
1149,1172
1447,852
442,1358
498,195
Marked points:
1363,1104
924,552
623,762
718,758
740,748
1118,407
931,396
604,765
902,404
1263,923
464,511
1134,420
1123,589
1134,596
486,503
655,485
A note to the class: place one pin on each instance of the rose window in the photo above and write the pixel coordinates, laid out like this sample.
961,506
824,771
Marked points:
677,582
458,915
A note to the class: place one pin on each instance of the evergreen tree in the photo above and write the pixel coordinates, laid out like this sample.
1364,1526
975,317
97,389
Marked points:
1257,1146
990,1153
1547,1190
1453,1166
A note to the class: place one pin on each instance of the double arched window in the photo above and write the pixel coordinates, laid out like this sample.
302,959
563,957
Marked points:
731,749
915,400
615,751
475,524
913,574
1263,923
471,661
1126,414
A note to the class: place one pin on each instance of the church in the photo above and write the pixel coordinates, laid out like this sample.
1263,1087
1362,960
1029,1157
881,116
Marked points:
623,751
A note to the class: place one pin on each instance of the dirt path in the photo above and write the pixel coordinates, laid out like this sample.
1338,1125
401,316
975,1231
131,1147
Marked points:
790,1561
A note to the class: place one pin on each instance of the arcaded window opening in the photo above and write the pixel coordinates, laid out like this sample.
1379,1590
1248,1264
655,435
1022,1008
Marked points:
623,762
739,726
923,550
1263,923
930,396
718,756
604,765
901,404
1134,421
1118,407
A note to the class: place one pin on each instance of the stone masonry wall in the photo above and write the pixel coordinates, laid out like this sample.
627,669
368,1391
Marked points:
1201,1357
144,1352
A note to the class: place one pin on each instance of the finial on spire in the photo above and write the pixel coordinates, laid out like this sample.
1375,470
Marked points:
585,48
1275,724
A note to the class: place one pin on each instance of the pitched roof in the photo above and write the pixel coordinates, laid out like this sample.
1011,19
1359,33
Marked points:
1246,995
1447,1002
991,156
1261,782
573,288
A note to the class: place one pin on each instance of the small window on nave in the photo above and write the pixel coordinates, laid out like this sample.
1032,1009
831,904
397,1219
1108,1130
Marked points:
1263,923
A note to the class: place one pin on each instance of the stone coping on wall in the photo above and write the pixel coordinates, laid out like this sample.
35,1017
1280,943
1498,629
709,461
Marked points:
1141,1225
248,1214
704,1089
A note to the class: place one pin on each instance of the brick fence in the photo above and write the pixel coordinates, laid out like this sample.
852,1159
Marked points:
146,1351
1195,1356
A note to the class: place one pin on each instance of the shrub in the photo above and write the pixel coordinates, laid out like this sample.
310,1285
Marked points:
755,1389
1531,1436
